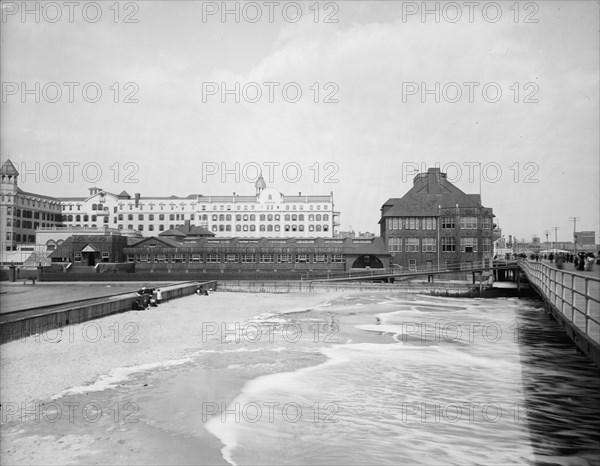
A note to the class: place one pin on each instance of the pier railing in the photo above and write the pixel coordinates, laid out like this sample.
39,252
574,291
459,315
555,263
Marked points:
576,296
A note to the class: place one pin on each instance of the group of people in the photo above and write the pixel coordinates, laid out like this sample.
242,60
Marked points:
582,261
201,291
147,297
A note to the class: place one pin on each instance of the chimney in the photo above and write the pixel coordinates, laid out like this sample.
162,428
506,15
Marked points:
137,199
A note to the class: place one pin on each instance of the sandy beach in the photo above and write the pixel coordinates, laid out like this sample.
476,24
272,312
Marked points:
104,356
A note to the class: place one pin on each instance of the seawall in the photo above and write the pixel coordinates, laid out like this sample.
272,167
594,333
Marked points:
18,328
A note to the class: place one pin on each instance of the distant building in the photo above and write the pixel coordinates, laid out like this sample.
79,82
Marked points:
268,213
239,255
21,212
585,240
89,250
435,224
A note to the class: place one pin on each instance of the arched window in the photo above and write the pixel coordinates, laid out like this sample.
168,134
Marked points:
262,227
161,216
129,216
318,217
301,217
252,219
262,217
270,217
287,218
325,217
238,218
228,218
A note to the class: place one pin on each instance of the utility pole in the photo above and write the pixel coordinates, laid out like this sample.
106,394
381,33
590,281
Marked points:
555,237
574,237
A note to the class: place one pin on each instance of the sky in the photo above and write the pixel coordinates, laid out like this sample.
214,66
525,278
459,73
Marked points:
349,97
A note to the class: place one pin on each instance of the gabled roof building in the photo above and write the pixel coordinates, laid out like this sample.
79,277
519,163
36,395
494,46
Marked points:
436,225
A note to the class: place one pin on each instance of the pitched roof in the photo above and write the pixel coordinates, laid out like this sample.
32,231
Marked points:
172,233
430,192
8,169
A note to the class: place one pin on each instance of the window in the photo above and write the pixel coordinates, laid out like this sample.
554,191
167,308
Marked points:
150,227
428,244
248,258
140,227
150,217
130,258
238,218
266,258
196,257
284,258
429,223
161,216
262,228
161,228
144,258
411,245
129,216
160,258
141,217
448,244
487,245
318,217
319,257
468,223
215,217
337,258
395,244
77,257
231,258
448,223
411,223
301,258
412,265
394,223
468,244
486,223
177,258
262,217
213,259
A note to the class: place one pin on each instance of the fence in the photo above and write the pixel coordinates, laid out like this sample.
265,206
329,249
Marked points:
575,296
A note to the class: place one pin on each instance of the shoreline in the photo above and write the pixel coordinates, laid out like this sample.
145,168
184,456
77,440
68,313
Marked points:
108,362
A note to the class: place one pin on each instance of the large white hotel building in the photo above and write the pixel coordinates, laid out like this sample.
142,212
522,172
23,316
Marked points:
267,213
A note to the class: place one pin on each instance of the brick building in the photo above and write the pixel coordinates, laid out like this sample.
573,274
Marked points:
436,225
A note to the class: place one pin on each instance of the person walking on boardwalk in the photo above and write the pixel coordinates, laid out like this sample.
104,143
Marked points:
158,296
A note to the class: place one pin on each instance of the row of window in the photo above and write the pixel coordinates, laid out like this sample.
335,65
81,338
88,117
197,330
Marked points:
16,223
216,258
430,223
19,238
204,217
262,227
181,206
50,205
25,213
430,244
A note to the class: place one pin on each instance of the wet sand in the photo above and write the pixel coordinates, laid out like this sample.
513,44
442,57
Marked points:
79,373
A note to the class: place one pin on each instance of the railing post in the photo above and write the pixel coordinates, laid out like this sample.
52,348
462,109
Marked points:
587,305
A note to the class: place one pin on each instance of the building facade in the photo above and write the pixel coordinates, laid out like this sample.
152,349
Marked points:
437,226
239,255
268,213
21,212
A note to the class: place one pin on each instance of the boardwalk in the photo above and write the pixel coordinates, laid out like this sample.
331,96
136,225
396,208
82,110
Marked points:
575,295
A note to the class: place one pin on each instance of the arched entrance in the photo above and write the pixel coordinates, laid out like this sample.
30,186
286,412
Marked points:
367,261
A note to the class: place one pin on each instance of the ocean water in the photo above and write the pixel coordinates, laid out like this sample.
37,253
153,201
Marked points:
364,380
